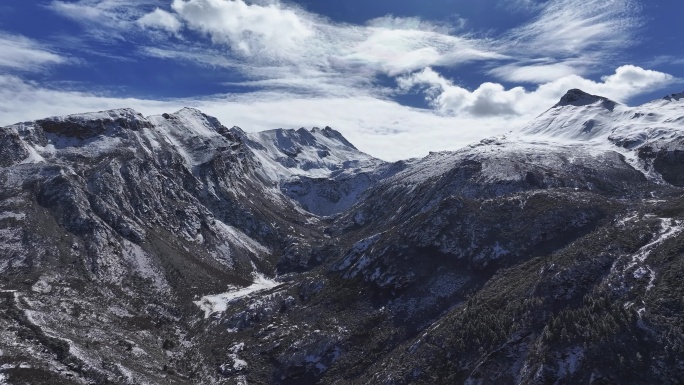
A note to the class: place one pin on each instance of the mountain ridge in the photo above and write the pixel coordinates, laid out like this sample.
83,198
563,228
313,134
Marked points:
175,250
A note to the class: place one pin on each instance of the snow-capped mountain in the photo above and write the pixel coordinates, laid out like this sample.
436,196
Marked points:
583,117
172,249
318,168
648,135
315,153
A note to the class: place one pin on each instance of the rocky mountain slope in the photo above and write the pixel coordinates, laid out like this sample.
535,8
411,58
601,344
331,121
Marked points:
174,250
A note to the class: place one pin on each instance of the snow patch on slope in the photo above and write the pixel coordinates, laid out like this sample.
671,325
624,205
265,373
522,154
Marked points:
237,237
219,302
142,263
669,228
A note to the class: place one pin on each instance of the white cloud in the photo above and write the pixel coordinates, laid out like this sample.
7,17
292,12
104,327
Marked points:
250,29
395,46
538,73
273,32
397,51
204,57
23,54
328,88
415,24
104,19
276,43
568,27
274,35
491,99
278,47
567,37
629,80
160,19
665,60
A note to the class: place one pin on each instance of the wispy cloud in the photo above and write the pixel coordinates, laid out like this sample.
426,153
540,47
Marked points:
521,5
205,57
275,34
160,19
20,53
569,27
540,71
268,38
454,24
105,19
397,51
665,60
570,37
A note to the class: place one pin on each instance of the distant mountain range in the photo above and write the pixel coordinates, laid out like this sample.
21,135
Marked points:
172,249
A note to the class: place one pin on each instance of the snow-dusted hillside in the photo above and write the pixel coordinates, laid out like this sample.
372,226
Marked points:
648,135
172,249
583,117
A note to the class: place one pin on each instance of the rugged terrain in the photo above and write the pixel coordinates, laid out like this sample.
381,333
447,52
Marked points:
174,250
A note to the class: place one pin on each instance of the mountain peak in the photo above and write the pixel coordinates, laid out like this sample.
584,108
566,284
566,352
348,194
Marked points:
288,137
577,97
336,135
190,119
674,97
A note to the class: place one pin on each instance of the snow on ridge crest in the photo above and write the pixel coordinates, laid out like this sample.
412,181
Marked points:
581,116
191,121
282,153
113,114
316,153
576,97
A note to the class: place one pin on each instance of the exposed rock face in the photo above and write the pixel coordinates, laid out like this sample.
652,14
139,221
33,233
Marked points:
138,251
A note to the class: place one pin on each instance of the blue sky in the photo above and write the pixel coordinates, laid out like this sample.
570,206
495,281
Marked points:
398,77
